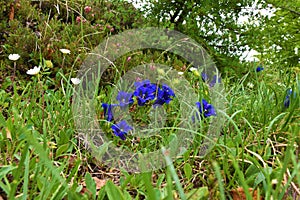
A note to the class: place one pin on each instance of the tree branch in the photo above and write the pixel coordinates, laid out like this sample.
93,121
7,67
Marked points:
292,11
284,8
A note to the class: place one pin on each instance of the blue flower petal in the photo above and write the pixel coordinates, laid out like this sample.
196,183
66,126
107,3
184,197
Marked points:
108,112
121,129
205,109
124,99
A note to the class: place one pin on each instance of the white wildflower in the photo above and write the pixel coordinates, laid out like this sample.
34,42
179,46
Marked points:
13,57
75,81
193,69
250,85
65,51
34,71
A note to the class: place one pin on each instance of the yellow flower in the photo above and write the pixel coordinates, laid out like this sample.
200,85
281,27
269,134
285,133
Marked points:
161,71
48,63
195,71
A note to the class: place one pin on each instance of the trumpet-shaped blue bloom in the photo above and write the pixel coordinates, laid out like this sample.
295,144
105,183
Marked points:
216,79
288,97
259,68
142,83
124,99
164,95
108,112
145,91
204,76
205,109
121,129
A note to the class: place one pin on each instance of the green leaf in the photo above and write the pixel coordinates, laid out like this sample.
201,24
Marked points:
6,169
62,149
90,184
160,179
188,170
113,192
2,120
101,150
101,194
261,176
148,183
26,176
199,193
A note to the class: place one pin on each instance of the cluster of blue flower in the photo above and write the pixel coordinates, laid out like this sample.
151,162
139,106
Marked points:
146,92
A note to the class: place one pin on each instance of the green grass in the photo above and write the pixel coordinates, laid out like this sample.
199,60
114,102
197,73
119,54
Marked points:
43,156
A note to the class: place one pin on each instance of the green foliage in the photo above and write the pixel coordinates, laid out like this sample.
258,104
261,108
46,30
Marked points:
278,36
211,23
42,156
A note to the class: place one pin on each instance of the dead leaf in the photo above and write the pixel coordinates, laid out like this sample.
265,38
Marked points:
14,5
11,14
50,51
8,134
99,182
239,194
83,190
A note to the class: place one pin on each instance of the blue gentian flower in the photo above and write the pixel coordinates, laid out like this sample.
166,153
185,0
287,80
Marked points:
124,99
145,91
259,68
287,100
205,109
164,95
292,95
142,83
108,113
204,76
121,129
216,79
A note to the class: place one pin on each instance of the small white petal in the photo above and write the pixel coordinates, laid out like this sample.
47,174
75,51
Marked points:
65,51
75,81
250,85
34,71
13,57
193,69
180,73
